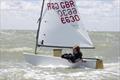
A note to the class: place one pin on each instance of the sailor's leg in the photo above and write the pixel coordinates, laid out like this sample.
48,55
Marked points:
72,58
66,56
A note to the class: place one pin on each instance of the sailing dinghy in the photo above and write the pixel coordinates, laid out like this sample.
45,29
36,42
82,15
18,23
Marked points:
60,27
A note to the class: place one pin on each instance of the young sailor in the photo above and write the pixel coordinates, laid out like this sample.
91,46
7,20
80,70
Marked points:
76,56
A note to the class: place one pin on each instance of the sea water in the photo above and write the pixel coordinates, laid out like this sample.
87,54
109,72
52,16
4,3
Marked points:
13,66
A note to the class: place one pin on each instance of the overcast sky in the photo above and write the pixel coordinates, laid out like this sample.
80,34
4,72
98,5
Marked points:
96,15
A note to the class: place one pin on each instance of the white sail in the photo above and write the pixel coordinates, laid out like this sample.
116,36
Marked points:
61,25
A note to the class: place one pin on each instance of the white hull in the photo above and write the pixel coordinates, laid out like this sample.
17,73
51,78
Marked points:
57,61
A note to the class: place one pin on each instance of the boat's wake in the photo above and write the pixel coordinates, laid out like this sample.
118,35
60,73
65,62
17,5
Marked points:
53,66
24,71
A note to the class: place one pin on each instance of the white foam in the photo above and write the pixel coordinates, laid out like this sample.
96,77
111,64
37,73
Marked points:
25,71
53,66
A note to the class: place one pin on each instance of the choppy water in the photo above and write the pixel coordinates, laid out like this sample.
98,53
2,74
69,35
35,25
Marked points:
14,67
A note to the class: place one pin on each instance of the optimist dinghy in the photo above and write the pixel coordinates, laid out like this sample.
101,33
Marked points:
60,27
59,62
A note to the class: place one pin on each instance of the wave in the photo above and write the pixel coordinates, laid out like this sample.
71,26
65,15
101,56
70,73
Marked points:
17,49
8,32
24,71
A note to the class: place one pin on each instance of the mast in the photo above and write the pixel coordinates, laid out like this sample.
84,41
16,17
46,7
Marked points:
38,30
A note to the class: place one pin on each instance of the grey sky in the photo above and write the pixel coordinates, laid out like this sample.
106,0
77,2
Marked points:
96,15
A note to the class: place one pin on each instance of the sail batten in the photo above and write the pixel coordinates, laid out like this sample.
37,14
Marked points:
61,26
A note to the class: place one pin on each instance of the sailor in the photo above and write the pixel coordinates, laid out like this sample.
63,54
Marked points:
76,56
